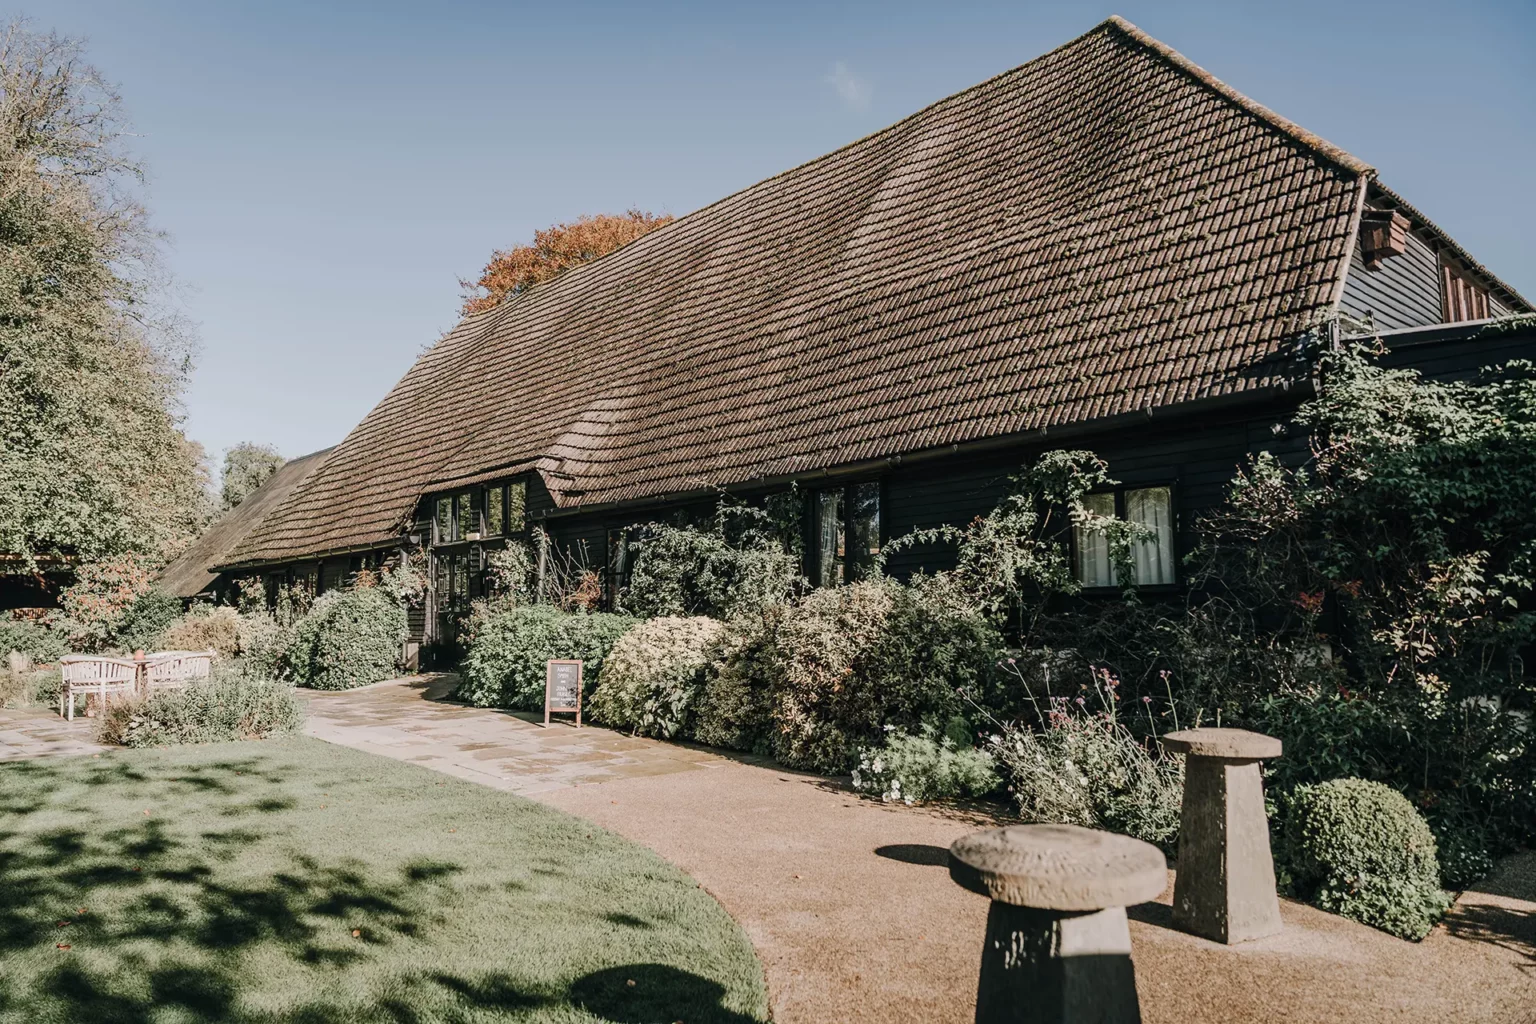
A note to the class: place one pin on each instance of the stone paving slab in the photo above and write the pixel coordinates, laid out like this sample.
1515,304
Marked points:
26,733
406,719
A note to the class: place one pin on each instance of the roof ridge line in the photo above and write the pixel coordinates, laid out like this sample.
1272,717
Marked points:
1317,143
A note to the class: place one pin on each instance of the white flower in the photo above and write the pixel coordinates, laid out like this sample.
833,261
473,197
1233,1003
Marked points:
879,766
856,781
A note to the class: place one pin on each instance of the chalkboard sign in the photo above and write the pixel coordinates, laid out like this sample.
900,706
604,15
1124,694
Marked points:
562,688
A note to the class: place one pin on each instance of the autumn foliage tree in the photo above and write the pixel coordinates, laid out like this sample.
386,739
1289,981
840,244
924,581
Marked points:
554,251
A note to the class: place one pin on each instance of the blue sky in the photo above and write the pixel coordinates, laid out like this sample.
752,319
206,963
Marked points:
328,171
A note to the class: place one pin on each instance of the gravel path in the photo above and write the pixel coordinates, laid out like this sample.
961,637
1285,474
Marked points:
852,911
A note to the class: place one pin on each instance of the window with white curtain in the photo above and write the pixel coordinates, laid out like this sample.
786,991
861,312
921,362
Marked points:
1151,556
1093,564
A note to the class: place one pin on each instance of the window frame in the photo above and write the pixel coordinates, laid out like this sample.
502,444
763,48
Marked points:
1119,491
853,571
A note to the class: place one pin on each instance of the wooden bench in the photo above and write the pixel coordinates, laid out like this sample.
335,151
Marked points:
93,675
169,670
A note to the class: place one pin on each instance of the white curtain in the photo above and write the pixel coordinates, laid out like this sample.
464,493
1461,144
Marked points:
1152,507
1093,565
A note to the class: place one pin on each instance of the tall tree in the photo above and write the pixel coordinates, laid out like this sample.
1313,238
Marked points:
555,250
246,467
93,461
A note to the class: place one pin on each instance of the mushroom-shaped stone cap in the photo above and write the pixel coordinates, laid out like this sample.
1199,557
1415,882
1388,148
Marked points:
1059,867
1231,744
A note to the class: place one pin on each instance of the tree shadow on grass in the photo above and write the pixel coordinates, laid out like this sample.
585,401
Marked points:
645,993
145,918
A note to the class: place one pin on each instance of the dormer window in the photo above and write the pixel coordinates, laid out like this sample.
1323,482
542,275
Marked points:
1461,298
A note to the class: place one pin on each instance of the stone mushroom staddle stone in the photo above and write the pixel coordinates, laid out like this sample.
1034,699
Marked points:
1225,888
1057,947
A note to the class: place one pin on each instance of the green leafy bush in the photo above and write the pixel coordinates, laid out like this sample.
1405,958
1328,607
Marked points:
737,566
205,628
1470,765
349,638
653,675
505,663
263,642
736,710
842,663
915,768
145,622
230,705
1359,849
33,638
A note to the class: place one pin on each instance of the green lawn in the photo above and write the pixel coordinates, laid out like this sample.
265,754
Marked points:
296,881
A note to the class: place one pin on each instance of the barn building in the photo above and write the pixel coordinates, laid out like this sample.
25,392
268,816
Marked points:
1105,248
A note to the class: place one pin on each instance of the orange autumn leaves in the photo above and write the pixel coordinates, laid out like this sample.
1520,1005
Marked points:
554,251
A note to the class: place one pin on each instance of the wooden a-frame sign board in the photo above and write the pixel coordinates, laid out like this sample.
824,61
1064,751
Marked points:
562,689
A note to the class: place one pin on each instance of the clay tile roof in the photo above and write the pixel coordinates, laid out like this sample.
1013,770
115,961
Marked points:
189,574
1103,230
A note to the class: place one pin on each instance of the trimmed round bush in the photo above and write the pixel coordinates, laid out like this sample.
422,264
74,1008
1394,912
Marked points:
653,675
349,638
1360,849
504,664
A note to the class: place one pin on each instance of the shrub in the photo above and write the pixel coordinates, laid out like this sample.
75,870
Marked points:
914,768
1469,764
146,621
34,638
737,566
95,605
1085,767
1359,849
653,675
349,638
505,662
206,628
845,662
231,705
263,642
38,687
735,709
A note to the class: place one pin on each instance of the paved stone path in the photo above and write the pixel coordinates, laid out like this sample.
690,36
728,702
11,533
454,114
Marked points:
36,732
405,719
